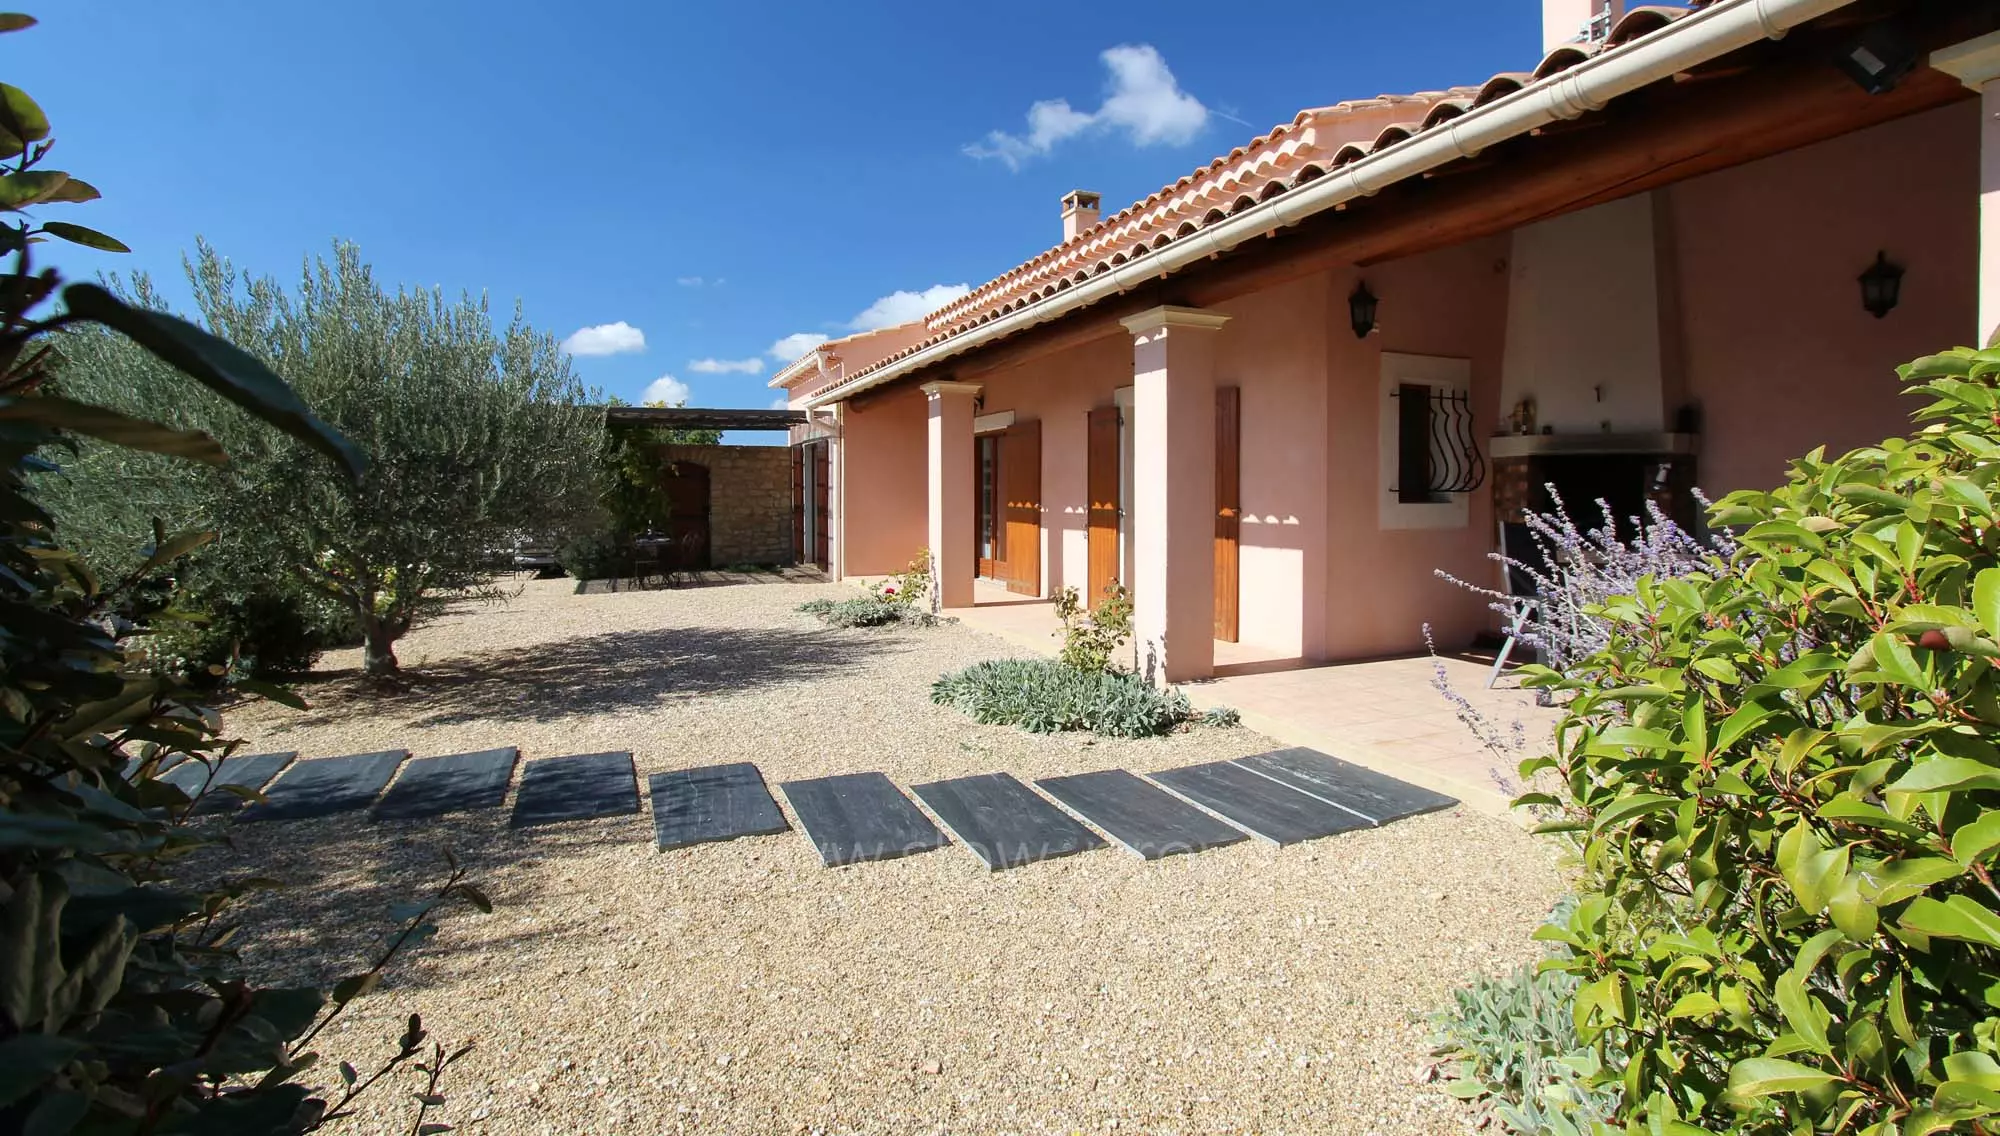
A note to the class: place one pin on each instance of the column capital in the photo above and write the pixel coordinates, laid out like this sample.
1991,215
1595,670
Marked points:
1974,62
938,390
1167,315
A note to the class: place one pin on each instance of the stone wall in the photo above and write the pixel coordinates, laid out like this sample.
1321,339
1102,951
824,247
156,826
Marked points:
749,501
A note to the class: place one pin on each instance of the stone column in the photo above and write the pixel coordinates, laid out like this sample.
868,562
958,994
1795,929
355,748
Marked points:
952,505
1976,63
1173,492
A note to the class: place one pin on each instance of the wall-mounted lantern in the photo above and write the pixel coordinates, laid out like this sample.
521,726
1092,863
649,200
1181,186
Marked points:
1881,286
1361,310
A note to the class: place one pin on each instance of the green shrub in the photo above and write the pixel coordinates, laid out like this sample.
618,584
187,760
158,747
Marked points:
867,611
591,555
1783,776
1510,1043
1044,696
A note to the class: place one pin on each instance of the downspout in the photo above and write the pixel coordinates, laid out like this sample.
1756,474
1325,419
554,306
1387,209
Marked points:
1588,86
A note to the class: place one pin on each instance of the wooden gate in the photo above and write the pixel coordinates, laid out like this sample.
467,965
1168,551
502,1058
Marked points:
686,490
1101,487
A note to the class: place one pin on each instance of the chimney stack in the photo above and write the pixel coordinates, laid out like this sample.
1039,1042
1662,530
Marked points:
1079,213
1578,21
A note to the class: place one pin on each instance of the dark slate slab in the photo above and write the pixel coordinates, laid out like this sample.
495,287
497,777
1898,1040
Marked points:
718,802
1142,817
1377,796
251,771
327,786
1003,822
860,816
1257,804
576,788
456,782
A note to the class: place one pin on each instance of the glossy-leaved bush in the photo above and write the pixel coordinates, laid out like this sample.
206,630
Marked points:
1782,773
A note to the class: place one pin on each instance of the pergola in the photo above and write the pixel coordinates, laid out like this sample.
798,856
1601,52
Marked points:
698,418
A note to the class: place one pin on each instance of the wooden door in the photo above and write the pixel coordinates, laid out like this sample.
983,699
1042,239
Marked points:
1228,509
822,503
686,489
1101,488
1021,484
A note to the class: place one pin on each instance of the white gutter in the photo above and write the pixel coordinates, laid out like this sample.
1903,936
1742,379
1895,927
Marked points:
1694,39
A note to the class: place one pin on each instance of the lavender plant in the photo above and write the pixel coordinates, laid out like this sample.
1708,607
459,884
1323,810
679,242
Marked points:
1578,569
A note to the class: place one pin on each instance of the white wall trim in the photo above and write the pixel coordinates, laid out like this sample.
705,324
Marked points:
993,423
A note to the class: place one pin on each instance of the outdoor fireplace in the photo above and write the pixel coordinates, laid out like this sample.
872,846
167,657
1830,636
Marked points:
1623,470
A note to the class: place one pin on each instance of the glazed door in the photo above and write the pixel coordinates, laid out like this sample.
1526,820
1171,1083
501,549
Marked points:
1021,485
988,535
1101,487
822,502
1228,509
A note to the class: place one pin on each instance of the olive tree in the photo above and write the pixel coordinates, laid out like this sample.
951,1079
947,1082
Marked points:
473,432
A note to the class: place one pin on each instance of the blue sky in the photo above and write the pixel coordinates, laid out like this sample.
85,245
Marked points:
717,178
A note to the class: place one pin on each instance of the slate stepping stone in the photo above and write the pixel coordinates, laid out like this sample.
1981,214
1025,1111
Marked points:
857,817
1257,804
1142,817
250,771
576,788
1003,821
455,782
327,786
718,802
1377,796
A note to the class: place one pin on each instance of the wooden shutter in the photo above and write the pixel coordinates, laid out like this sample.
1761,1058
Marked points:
822,458
1021,490
1101,477
1228,509
798,504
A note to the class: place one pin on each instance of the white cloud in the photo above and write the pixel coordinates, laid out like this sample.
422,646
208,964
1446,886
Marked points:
781,403
1143,99
750,366
902,307
666,390
793,346
606,339
688,281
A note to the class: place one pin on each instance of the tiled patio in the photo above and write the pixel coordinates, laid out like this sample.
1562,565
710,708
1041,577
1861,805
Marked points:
1385,714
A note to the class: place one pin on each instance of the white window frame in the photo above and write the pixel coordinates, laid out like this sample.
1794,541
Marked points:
1439,373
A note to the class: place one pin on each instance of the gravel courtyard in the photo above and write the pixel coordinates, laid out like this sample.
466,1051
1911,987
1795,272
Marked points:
742,988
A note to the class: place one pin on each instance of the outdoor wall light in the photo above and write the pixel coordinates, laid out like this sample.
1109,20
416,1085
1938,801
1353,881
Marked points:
1361,310
1878,59
1881,286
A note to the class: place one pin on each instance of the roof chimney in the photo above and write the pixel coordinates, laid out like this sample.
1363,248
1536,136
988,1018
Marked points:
1079,213
1578,21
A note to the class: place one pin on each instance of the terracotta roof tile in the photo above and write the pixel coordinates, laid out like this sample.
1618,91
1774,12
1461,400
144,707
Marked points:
1316,141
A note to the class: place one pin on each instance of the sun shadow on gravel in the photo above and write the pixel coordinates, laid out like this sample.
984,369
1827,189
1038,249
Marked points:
342,876
619,671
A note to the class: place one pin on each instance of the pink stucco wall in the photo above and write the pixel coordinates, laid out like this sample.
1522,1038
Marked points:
883,486
1274,350
1780,357
1381,585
